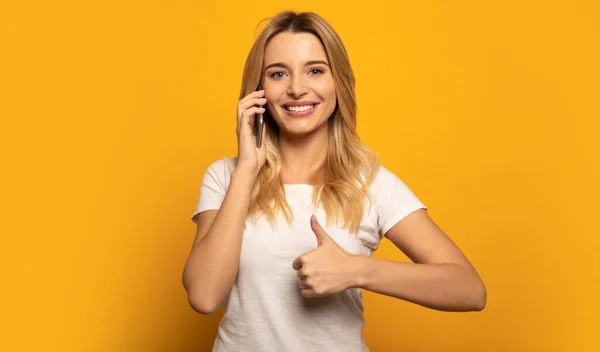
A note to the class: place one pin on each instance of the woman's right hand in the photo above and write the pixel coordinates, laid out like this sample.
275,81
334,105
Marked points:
250,158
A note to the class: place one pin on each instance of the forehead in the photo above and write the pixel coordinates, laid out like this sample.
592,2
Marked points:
294,48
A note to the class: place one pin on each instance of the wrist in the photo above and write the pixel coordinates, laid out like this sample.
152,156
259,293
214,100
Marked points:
244,173
244,178
360,267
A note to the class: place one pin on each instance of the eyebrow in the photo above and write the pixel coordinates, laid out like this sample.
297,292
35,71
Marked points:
308,63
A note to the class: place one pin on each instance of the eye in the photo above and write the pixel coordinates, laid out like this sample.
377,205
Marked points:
316,71
277,75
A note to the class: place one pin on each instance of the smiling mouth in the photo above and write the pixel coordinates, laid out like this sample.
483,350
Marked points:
300,108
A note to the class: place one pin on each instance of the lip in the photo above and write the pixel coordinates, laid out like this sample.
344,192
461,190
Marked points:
300,103
300,113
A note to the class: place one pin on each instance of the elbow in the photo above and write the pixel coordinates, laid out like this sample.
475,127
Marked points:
475,293
202,304
479,296
199,301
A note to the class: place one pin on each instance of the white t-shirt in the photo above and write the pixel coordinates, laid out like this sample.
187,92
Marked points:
265,311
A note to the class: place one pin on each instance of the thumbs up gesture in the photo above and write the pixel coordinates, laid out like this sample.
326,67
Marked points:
326,270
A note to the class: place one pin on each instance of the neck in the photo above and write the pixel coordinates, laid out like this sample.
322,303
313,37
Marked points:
302,155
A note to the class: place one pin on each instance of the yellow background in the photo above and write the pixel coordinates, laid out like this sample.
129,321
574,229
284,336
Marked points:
112,110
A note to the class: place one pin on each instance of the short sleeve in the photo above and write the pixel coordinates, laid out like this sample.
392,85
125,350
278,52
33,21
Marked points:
394,200
213,187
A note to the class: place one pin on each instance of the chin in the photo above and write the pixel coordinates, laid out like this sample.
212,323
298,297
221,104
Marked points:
300,127
297,130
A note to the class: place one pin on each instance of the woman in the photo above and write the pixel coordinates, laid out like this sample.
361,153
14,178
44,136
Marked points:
288,280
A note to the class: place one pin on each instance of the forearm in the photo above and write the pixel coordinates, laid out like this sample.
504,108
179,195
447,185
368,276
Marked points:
446,287
214,260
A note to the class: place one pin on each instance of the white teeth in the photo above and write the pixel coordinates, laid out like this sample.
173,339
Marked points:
300,108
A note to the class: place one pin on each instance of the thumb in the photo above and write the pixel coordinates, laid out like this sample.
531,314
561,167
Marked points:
322,236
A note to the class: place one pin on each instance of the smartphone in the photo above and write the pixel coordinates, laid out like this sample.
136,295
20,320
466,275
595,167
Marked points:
259,122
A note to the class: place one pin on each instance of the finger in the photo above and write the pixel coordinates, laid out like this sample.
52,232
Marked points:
303,285
322,236
297,264
242,121
253,95
308,293
253,111
253,114
301,275
245,118
251,102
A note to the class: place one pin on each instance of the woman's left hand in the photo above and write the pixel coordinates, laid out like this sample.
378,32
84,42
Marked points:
326,270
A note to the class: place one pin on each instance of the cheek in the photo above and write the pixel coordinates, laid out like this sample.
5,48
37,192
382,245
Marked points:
271,99
330,108
329,96
327,91
274,111
273,108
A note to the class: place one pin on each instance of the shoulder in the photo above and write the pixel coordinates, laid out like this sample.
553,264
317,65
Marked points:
394,199
384,178
224,164
388,184
220,170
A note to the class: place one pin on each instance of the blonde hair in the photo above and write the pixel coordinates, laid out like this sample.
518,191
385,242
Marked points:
343,180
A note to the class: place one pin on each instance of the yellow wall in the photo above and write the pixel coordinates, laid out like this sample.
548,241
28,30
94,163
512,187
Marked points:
112,110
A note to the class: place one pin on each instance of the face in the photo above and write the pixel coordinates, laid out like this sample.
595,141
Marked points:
298,84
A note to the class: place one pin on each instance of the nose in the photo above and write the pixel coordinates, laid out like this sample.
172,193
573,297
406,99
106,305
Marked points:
297,87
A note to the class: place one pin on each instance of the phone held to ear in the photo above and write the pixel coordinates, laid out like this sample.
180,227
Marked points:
258,124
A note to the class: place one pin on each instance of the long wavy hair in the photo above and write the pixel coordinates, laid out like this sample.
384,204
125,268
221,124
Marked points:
341,184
